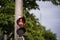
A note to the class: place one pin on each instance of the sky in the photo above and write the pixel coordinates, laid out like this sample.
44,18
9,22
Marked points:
49,16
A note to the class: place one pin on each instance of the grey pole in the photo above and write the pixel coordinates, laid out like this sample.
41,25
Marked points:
5,35
18,14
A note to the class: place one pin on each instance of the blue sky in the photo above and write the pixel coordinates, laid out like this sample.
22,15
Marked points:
49,16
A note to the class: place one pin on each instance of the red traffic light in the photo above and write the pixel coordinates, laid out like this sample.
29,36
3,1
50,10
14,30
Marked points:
21,21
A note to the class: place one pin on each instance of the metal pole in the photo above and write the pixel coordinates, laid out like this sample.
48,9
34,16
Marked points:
18,13
5,37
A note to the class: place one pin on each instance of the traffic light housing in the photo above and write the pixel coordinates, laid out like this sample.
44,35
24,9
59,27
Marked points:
21,31
21,21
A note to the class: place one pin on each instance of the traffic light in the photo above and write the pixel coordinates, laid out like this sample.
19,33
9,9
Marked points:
20,23
21,31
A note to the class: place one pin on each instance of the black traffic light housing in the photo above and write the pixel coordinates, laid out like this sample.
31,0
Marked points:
21,31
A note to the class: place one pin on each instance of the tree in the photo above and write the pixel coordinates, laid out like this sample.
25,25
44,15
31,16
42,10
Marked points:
48,35
55,2
35,31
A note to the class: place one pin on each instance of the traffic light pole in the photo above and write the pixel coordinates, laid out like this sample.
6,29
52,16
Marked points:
18,14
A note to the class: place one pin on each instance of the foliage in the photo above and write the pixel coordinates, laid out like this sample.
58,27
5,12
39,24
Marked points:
55,2
48,35
33,27
7,22
34,30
